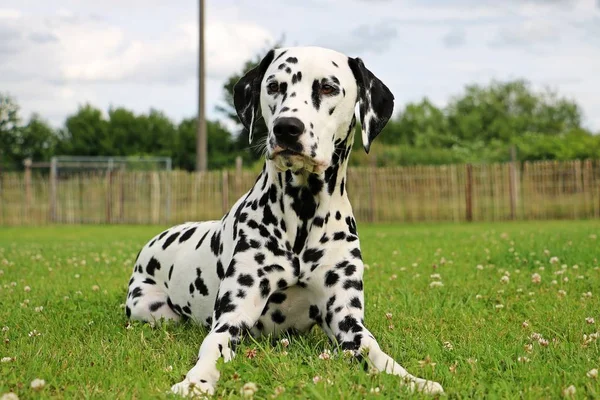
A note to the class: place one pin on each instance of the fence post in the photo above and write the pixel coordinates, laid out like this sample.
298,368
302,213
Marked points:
512,181
27,164
53,188
372,194
469,193
109,185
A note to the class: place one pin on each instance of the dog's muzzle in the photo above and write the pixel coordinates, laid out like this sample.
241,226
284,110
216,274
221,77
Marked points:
288,152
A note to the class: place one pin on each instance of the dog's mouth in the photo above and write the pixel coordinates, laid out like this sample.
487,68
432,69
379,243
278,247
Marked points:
288,159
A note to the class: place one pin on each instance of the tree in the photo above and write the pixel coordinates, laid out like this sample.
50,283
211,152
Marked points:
221,146
37,140
421,124
86,133
9,125
503,110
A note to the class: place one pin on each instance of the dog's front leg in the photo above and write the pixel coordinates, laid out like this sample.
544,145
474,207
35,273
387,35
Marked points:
341,314
243,294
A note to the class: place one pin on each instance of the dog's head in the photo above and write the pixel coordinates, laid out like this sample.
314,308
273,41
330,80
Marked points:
308,97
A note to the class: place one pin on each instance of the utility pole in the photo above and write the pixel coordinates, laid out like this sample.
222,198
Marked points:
201,156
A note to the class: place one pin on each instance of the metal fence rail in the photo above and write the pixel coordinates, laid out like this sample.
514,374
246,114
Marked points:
487,192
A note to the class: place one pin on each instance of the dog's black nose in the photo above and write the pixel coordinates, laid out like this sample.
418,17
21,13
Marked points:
288,128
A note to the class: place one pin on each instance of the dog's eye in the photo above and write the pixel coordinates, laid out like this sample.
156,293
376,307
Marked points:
327,89
273,87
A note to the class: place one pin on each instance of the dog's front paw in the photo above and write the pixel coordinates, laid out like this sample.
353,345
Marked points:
425,386
187,388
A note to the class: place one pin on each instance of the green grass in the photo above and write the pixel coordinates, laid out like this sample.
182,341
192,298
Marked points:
79,275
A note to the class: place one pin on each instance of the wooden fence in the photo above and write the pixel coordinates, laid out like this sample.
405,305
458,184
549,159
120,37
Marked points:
490,192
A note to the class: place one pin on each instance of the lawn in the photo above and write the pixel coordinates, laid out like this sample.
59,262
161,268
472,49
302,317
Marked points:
515,315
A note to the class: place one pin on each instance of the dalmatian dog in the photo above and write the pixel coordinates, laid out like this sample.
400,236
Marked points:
287,255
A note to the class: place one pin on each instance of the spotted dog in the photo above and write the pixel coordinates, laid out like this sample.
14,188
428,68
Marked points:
287,255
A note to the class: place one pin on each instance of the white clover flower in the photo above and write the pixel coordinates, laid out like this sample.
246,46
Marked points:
284,342
316,379
505,279
436,284
248,390
9,396
38,384
536,278
592,373
7,359
27,289
325,355
569,391
590,320
554,260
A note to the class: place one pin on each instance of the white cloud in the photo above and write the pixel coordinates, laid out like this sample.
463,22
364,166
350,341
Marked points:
139,54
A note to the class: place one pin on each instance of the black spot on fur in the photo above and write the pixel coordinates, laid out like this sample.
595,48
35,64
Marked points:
230,269
331,278
349,323
312,255
220,270
245,280
162,235
277,298
292,60
224,305
170,240
215,242
278,317
355,302
153,265
199,283
201,240
339,236
351,225
187,234
155,306
352,283
259,258
316,94
265,288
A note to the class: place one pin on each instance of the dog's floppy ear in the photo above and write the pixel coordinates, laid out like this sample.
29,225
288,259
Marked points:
246,94
375,101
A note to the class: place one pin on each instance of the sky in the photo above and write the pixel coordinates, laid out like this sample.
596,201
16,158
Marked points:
56,55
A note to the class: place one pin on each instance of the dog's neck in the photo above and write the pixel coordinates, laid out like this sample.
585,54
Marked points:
323,186
310,196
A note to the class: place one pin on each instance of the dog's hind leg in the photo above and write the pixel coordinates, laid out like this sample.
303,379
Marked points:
148,303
